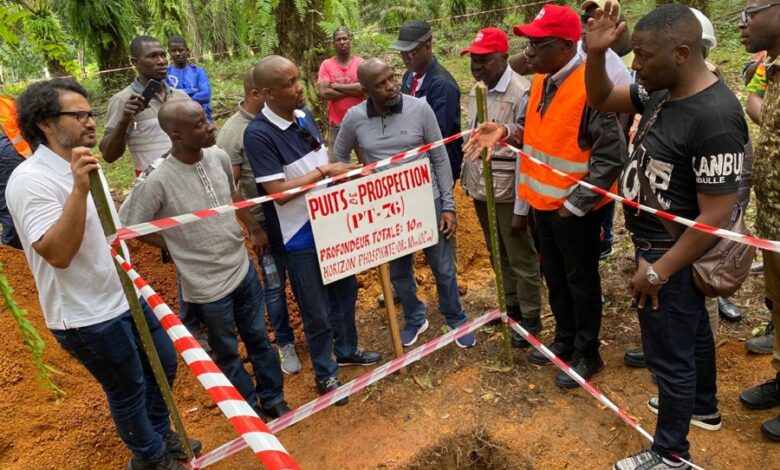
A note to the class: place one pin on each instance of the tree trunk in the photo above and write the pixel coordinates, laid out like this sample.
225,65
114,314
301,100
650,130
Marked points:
304,42
56,69
114,57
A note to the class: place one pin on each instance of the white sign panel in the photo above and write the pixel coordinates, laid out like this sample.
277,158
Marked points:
374,219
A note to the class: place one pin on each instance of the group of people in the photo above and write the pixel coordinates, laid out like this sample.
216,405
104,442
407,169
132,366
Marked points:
638,114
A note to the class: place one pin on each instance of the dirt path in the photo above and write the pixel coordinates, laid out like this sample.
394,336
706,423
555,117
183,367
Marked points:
454,409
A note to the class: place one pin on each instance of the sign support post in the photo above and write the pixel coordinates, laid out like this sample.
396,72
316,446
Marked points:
392,315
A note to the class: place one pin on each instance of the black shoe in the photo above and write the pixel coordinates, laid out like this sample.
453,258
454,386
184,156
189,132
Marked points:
728,310
165,462
531,325
359,358
563,351
764,396
329,385
277,410
174,448
764,344
635,358
584,367
771,428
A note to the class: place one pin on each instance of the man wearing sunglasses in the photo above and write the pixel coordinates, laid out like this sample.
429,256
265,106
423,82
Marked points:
426,78
559,128
78,287
760,26
284,149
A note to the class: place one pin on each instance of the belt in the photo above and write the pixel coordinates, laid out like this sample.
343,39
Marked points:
644,244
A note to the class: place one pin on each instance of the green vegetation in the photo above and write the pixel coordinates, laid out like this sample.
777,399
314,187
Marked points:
30,336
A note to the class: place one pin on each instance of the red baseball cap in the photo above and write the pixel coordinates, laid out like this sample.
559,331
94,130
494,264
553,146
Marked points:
553,21
488,40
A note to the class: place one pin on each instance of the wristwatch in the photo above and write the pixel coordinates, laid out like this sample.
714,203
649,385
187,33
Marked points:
653,277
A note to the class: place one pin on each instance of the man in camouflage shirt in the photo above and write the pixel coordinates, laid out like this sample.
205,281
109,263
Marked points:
760,32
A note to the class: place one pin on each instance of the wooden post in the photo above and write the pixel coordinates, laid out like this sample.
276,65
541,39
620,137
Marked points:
487,173
100,198
392,316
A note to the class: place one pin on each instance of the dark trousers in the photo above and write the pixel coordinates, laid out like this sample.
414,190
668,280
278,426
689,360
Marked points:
679,349
112,352
9,160
242,311
570,263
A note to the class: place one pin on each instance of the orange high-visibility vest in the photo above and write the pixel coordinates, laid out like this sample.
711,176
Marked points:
11,126
552,139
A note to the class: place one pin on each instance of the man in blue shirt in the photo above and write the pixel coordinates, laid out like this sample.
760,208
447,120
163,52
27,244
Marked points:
285,151
188,77
426,78
9,160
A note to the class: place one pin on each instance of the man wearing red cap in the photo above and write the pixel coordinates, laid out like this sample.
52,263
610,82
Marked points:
519,261
559,128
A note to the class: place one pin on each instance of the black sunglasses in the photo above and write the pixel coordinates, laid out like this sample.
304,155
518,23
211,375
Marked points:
81,116
314,144
748,13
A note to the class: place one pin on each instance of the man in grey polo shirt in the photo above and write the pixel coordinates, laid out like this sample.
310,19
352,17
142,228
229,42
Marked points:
129,122
231,139
388,123
218,279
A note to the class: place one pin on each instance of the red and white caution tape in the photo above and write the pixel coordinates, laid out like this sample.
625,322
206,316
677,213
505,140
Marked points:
145,228
315,406
718,232
253,431
589,387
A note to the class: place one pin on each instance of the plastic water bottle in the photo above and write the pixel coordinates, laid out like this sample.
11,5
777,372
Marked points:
272,279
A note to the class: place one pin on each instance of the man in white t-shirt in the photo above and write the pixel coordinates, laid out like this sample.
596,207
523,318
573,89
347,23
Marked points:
78,286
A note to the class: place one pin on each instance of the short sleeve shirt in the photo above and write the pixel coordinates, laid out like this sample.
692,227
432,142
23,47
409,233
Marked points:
331,71
209,253
696,145
276,150
146,140
88,291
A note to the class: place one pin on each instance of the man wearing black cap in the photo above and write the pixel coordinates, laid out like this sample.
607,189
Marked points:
425,77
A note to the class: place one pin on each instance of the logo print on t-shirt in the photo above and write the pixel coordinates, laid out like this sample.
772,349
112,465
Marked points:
657,172
714,169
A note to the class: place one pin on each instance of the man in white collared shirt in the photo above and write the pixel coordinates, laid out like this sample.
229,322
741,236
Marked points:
519,260
78,286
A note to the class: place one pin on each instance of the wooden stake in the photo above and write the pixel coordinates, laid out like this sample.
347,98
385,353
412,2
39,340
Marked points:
100,199
392,316
487,173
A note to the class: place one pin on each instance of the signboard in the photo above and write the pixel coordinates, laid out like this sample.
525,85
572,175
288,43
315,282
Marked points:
369,221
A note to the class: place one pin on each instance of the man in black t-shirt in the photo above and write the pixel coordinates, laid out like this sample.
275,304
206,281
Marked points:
687,160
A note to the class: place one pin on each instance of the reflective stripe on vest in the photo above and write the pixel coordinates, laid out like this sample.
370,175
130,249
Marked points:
552,138
10,126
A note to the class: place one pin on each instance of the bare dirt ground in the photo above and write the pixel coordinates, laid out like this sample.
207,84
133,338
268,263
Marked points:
454,409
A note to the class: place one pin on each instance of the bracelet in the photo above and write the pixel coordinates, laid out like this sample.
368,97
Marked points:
321,172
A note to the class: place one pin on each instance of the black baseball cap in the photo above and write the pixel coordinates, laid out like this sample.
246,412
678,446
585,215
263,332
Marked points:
411,34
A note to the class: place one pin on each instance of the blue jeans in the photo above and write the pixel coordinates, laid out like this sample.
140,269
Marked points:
9,160
186,316
242,310
328,312
112,352
442,263
679,349
276,301
609,218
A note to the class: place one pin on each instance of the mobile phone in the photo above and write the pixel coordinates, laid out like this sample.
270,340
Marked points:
152,88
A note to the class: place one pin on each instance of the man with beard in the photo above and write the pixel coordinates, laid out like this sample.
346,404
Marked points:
760,31
337,83
690,122
560,129
183,75
518,257
218,278
284,148
78,287
387,123
132,124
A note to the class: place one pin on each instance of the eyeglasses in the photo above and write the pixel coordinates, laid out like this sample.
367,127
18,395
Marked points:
81,116
748,13
314,144
410,54
538,45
